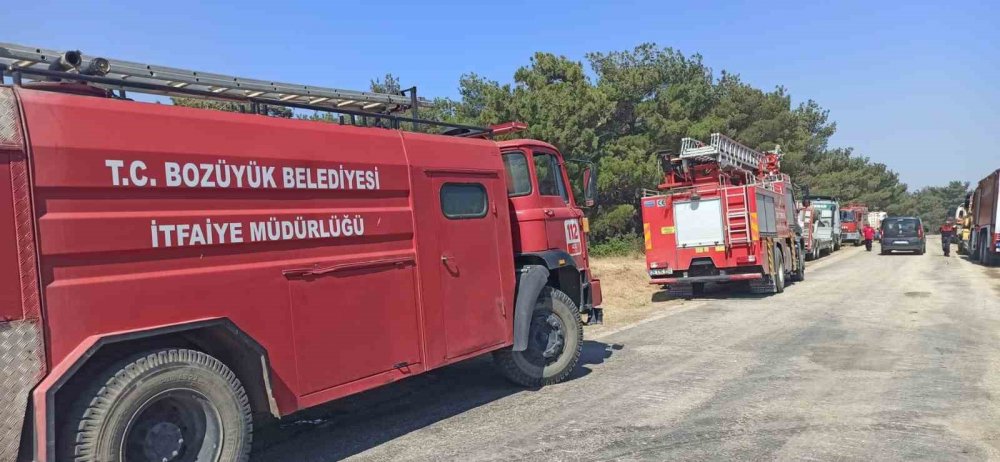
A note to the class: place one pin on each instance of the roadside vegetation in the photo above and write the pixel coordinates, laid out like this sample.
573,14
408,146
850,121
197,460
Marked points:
636,102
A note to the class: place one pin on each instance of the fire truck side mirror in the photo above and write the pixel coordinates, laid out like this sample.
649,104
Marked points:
589,186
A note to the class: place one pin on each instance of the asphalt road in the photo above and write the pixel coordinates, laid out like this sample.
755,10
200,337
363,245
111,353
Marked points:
871,358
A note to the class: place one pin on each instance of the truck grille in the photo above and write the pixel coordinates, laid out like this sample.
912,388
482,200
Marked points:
21,367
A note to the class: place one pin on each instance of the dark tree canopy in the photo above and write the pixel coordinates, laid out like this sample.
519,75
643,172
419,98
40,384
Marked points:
635,102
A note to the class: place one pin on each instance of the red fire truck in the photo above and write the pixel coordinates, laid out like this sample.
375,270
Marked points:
173,275
724,212
852,222
984,227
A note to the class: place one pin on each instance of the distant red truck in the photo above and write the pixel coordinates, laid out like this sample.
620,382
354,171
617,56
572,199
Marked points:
724,213
852,221
172,275
984,231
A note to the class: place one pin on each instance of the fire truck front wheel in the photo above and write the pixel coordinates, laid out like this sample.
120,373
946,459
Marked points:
167,405
555,340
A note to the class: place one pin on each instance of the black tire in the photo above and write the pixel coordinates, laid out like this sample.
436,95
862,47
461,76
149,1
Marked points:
779,273
148,406
530,368
799,274
698,289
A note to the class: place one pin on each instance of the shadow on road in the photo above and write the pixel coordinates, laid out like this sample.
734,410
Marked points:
713,291
360,422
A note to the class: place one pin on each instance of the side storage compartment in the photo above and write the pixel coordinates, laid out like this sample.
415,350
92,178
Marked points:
354,320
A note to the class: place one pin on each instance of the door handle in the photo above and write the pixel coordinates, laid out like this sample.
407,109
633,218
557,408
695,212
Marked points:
449,262
549,212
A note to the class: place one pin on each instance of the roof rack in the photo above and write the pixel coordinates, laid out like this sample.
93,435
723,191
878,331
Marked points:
372,108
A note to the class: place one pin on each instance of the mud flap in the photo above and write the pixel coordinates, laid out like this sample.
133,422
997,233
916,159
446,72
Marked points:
530,281
595,316
680,290
764,285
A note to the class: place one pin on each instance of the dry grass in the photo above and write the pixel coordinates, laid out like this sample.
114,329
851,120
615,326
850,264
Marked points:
628,296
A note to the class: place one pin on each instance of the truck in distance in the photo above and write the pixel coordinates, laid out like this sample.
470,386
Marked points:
852,219
827,219
723,213
984,227
178,274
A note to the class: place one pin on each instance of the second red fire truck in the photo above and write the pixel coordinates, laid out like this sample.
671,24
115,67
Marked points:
724,212
852,222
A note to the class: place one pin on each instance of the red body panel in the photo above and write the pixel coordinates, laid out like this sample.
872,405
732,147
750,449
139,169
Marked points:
108,264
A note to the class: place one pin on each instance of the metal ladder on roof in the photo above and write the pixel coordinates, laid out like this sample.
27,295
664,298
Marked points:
161,80
737,215
725,151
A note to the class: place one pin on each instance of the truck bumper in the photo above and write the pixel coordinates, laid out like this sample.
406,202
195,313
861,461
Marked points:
853,237
692,280
913,246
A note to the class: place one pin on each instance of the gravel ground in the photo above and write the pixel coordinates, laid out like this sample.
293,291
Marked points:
871,358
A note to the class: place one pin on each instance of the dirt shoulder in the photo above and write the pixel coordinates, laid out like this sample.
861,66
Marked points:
628,296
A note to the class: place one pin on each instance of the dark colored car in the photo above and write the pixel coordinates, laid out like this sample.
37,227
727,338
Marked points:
903,233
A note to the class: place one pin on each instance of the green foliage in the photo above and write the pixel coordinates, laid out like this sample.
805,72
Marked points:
933,204
229,106
644,100
617,246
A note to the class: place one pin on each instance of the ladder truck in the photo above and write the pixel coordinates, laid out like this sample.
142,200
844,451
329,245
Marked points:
723,213
174,277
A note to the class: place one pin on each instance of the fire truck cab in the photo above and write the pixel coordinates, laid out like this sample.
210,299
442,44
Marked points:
724,213
852,218
174,275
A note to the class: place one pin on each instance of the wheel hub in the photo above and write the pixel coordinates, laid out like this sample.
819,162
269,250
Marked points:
547,337
175,426
163,441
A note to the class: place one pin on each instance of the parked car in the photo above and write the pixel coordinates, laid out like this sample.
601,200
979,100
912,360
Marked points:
903,233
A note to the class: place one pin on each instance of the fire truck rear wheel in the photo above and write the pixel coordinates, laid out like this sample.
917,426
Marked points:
170,405
799,274
779,273
555,340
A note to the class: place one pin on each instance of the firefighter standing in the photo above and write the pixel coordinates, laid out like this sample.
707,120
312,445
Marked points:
869,234
947,232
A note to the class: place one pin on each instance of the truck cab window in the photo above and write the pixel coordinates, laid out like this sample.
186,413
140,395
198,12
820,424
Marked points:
463,200
550,181
518,178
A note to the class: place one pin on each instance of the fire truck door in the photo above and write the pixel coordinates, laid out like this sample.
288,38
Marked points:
562,222
472,297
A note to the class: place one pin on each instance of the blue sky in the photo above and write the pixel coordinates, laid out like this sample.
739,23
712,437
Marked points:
910,84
